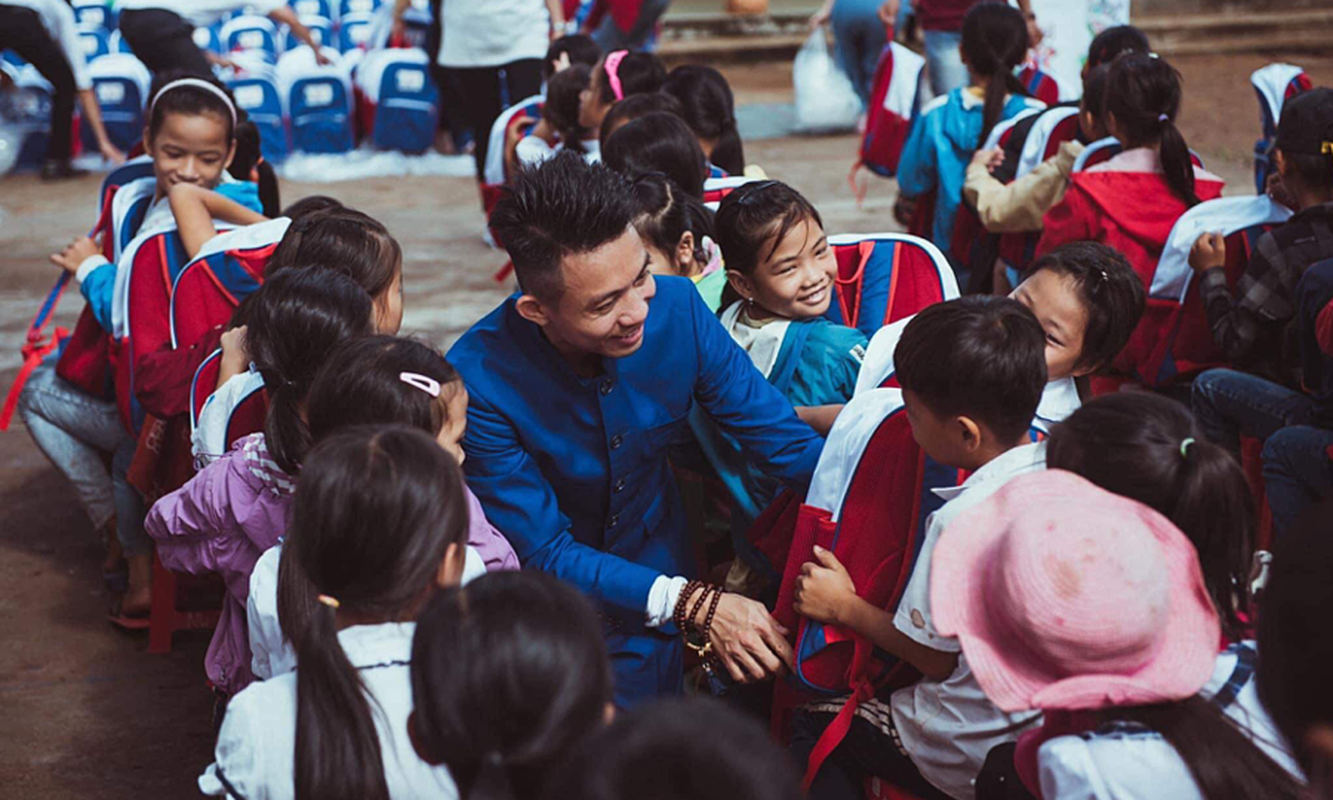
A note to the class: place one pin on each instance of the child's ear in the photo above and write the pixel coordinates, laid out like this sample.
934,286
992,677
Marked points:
419,745
969,433
609,713
685,253
1280,162
451,568
741,283
531,309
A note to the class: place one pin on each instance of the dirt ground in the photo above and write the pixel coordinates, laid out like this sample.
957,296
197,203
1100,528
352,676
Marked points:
86,711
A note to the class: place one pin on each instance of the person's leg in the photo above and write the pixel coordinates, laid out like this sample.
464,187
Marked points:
609,36
134,542
163,41
480,89
869,749
76,431
522,79
943,61
859,37
1231,404
1298,472
25,34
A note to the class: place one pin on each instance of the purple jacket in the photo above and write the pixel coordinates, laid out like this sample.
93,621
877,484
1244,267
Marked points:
226,517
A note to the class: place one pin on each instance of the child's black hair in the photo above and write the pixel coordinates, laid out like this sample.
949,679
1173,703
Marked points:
341,239
751,223
1293,630
660,752
978,356
1114,42
660,143
188,100
561,108
560,207
666,213
1143,94
375,512
580,48
1112,295
709,108
1151,449
360,383
994,42
249,164
311,204
639,73
1094,90
294,320
1302,152
509,674
633,107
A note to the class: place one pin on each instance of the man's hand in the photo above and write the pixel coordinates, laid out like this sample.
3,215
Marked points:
824,590
888,12
1209,252
75,254
749,642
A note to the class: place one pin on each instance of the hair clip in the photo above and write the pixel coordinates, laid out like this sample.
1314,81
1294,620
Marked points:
425,383
329,600
1326,148
1185,447
612,67
1162,118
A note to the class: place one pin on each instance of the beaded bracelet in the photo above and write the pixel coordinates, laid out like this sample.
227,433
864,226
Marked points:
678,615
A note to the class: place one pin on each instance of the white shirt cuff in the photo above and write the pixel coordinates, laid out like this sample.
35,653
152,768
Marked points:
89,264
662,599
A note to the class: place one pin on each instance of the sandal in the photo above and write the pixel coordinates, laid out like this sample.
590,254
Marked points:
129,622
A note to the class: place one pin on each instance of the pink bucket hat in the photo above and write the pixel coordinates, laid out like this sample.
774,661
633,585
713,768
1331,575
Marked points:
1065,596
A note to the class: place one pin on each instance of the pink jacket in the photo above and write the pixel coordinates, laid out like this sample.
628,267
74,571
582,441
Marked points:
226,517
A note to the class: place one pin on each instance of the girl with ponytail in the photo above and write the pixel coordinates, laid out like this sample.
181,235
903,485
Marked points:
509,675
951,127
1132,201
235,508
709,108
336,729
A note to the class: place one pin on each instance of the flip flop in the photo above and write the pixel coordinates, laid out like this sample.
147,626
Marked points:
126,622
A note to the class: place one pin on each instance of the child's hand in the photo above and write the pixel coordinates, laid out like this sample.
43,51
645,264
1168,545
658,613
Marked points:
235,357
112,153
1209,252
78,251
824,590
904,209
990,159
888,12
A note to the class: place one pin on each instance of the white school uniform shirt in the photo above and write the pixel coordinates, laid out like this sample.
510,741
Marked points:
948,727
492,33
202,13
256,748
1126,762
58,19
270,652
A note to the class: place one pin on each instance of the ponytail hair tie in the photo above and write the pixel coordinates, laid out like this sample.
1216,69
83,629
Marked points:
329,600
1185,447
1163,118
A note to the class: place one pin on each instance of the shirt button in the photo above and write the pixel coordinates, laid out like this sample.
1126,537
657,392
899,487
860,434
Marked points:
607,386
619,487
616,441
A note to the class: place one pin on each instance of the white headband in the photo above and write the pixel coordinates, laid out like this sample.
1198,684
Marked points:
198,84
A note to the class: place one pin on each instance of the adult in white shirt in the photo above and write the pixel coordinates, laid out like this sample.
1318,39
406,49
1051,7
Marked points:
493,53
44,32
161,32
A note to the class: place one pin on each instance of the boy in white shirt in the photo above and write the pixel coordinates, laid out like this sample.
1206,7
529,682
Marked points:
972,372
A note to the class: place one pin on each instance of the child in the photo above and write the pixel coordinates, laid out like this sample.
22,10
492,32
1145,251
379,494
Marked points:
1088,301
618,75
931,738
375,380
677,231
1293,633
559,126
1132,201
657,752
337,727
635,106
708,107
509,674
236,508
190,137
660,143
1020,205
1091,608
950,128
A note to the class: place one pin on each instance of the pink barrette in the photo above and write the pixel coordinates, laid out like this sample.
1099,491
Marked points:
425,383
612,66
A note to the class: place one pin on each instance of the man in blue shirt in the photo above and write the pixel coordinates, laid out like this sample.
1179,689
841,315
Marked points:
577,387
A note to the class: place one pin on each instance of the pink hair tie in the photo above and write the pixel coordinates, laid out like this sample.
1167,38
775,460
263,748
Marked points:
612,66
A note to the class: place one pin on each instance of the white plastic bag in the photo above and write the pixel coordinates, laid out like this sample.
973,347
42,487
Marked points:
825,99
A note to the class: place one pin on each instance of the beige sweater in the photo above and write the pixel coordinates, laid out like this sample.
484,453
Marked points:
1019,206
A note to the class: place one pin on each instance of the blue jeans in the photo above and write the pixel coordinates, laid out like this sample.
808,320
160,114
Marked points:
859,37
943,61
1297,472
77,432
1230,404
641,35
